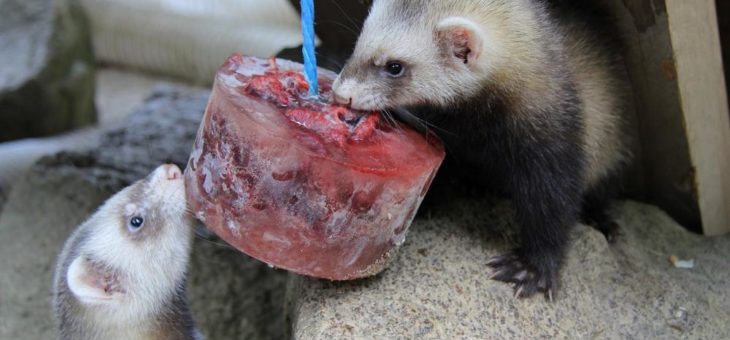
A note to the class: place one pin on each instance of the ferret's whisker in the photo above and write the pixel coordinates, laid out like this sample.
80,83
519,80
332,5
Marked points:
348,28
349,18
422,122
388,118
199,234
212,242
391,119
331,60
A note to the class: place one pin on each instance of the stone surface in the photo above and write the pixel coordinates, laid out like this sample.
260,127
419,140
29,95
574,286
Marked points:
41,212
234,296
47,69
118,93
19,155
231,294
4,190
160,131
438,286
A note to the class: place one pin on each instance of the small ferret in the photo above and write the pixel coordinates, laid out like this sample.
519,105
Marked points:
121,274
528,92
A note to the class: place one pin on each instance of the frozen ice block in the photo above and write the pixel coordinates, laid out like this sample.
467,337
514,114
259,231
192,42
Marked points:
301,183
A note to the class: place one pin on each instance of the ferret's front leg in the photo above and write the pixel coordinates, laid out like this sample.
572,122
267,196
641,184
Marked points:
545,185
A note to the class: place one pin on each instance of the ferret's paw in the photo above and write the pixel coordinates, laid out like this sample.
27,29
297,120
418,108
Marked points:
610,230
527,279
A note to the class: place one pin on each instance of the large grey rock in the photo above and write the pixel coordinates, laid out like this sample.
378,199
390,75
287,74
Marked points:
4,189
118,93
47,68
41,212
16,157
438,287
232,295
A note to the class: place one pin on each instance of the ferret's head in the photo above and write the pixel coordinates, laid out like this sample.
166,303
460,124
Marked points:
414,53
136,251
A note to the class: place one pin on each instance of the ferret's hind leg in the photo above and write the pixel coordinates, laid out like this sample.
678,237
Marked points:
596,207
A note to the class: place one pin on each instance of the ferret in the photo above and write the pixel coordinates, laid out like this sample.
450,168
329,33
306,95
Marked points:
523,91
121,274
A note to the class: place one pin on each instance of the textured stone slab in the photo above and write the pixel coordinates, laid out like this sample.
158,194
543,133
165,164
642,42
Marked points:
47,68
438,287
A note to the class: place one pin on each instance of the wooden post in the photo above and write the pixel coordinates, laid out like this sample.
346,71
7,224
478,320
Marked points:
697,54
672,53
663,155
723,18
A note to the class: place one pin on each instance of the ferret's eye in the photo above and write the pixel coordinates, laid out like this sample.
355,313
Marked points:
135,223
394,69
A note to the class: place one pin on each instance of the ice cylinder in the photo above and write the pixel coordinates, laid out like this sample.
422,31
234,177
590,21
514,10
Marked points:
301,183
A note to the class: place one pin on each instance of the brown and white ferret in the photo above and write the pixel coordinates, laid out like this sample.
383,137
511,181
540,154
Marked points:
121,274
525,91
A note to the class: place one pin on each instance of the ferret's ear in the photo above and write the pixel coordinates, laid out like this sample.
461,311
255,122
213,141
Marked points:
88,284
460,38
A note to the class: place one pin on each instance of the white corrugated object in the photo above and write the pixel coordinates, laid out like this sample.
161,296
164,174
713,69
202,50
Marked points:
189,38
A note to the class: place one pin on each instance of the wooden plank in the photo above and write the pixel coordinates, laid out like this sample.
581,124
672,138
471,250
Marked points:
723,19
664,151
695,39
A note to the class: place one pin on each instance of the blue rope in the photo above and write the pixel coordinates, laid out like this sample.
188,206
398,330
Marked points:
310,59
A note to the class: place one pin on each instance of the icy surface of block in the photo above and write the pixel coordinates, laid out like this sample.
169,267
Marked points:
300,183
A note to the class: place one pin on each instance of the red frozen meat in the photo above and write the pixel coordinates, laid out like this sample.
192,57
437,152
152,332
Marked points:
304,184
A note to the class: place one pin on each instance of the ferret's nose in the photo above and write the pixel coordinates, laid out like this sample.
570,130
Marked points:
172,171
343,100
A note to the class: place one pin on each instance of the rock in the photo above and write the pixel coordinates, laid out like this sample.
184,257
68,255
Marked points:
231,294
438,286
118,93
40,214
234,296
161,131
47,69
17,156
4,189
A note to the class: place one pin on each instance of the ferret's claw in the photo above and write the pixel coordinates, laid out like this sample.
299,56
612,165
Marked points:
518,291
528,279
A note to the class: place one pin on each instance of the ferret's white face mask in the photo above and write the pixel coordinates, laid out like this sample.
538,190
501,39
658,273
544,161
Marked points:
139,250
399,64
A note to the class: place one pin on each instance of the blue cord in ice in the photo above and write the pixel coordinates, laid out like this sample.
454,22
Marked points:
310,59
